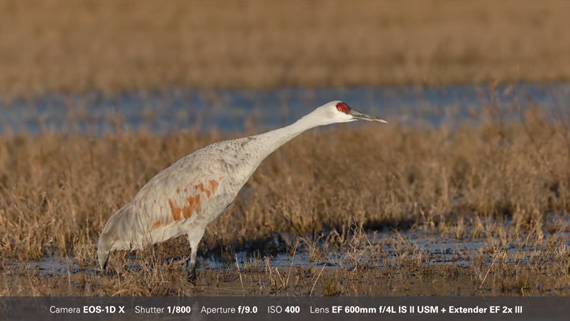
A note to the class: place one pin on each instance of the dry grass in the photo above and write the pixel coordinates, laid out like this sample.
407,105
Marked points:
111,46
507,184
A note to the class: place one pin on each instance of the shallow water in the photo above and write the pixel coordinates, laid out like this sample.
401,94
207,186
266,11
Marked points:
438,251
237,110
435,250
388,263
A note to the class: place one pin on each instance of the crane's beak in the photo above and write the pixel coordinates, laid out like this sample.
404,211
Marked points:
359,115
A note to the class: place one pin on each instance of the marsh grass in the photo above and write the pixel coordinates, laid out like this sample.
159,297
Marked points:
117,46
502,183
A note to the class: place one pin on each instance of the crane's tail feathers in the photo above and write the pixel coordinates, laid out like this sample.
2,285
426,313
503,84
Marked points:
103,258
103,252
109,238
120,233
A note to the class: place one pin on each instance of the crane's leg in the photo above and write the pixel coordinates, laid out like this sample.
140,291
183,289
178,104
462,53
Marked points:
194,238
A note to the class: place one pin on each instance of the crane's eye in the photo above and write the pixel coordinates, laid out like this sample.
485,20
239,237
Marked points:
342,107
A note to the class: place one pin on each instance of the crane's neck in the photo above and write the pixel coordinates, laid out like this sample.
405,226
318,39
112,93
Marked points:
276,138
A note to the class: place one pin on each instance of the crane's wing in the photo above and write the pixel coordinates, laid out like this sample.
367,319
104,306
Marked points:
189,194
194,190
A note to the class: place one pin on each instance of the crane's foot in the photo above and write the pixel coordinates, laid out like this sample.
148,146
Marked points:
101,272
108,272
192,273
192,276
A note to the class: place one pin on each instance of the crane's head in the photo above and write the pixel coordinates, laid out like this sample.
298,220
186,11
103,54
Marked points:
339,112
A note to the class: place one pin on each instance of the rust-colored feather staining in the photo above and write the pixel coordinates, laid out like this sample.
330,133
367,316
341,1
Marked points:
212,185
193,205
206,191
194,201
175,211
156,224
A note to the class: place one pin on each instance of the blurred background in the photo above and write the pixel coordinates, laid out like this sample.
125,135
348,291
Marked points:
81,65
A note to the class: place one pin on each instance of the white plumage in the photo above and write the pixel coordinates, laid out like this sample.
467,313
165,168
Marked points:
185,197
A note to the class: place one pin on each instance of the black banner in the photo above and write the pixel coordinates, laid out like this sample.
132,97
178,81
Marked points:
285,308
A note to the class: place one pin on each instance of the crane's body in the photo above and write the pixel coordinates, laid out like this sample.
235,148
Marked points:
185,197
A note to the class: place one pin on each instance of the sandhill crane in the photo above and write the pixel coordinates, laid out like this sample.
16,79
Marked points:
185,197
